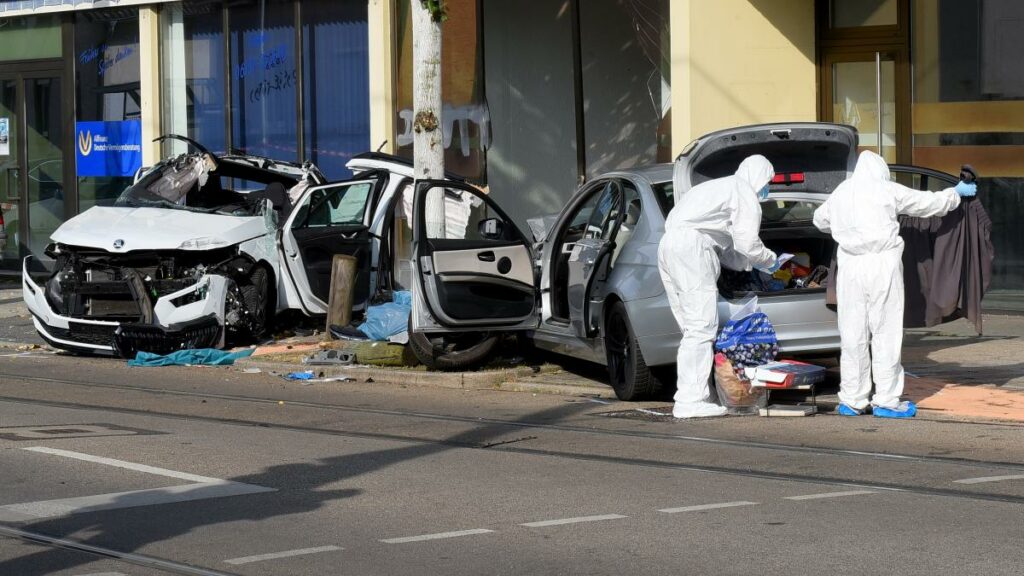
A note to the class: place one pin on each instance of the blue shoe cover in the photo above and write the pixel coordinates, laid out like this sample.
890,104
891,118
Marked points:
905,410
845,410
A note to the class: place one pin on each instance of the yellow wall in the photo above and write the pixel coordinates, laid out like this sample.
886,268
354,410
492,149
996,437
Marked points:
149,89
738,62
382,102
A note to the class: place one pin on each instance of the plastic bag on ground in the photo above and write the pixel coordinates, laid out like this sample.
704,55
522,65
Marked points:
735,392
200,357
386,320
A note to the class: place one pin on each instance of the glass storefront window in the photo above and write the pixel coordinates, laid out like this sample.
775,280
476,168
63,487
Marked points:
193,75
336,78
263,78
968,107
532,162
31,37
465,118
107,85
626,83
857,13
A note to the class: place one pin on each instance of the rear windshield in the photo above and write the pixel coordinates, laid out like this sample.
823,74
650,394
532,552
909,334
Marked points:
774,213
787,212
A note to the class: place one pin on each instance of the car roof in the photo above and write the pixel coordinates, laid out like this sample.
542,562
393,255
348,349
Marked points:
653,173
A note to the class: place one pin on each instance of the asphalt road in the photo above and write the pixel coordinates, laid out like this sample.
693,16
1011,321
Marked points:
107,470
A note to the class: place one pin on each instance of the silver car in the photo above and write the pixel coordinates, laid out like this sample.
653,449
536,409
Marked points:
589,286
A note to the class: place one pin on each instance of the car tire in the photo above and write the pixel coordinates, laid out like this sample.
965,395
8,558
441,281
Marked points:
255,293
628,373
453,352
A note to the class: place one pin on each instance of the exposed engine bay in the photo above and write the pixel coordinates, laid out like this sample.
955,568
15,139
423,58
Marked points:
130,288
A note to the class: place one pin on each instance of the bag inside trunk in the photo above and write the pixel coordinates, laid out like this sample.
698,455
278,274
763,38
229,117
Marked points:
806,272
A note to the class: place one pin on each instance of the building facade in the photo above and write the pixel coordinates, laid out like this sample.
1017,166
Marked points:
539,94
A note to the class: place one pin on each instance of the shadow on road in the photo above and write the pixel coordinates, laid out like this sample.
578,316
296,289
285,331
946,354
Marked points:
299,490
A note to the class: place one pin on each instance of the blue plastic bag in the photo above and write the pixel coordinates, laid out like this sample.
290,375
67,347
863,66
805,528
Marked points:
749,340
386,320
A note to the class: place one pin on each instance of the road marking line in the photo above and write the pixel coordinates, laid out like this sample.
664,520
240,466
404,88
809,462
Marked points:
104,574
706,507
126,465
830,495
205,487
283,554
984,479
438,536
562,521
133,499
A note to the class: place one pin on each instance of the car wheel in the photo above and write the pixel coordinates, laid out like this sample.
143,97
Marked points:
451,352
255,296
627,372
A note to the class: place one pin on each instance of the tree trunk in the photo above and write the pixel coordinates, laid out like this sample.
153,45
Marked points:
428,144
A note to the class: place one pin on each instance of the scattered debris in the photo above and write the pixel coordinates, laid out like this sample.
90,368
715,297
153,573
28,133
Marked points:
330,358
305,375
252,371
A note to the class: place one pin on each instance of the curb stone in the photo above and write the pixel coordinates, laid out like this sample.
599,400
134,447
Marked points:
511,379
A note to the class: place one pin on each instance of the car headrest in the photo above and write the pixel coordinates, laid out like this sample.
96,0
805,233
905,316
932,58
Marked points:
632,213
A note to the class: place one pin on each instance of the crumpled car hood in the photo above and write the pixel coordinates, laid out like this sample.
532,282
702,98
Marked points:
120,230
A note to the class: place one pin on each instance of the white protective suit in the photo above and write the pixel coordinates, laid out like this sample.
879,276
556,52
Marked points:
714,223
861,214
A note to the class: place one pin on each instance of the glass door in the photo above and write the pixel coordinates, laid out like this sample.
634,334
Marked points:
10,170
32,135
861,91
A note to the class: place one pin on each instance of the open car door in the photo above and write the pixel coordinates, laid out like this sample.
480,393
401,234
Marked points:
472,267
328,220
592,257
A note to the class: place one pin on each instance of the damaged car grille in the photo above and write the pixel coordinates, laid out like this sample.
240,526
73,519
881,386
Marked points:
130,339
124,287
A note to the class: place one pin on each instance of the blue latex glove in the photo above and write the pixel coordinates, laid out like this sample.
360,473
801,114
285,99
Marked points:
763,192
967,190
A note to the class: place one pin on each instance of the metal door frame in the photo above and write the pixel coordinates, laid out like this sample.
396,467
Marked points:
20,73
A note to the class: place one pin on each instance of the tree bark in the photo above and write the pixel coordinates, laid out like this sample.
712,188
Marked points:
428,143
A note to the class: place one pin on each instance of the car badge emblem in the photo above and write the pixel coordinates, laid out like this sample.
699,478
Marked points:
118,244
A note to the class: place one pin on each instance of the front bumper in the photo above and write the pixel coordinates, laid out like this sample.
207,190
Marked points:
198,324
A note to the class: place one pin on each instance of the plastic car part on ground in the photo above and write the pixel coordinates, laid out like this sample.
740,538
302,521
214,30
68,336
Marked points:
386,320
200,357
330,358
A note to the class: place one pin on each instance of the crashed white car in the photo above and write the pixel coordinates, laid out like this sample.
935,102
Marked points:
200,247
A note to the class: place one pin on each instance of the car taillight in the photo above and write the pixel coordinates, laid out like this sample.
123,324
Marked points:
1,218
790,178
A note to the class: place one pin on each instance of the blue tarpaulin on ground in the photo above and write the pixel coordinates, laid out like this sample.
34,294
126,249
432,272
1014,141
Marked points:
201,357
386,320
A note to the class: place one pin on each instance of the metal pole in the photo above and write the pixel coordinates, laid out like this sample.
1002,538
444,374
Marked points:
878,97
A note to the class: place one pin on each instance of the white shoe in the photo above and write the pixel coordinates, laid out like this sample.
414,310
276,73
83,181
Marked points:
697,410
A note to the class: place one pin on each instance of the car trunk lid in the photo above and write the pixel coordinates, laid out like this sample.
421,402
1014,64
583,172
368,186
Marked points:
807,157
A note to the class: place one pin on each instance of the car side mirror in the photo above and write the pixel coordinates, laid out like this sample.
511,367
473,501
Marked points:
491,229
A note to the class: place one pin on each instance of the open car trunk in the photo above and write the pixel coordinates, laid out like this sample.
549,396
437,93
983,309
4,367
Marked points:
810,160
807,272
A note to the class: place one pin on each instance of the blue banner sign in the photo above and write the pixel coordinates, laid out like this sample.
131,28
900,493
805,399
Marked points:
108,148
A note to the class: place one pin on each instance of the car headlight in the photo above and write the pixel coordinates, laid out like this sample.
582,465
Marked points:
202,243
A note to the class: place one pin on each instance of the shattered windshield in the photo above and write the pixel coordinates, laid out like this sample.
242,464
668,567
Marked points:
201,183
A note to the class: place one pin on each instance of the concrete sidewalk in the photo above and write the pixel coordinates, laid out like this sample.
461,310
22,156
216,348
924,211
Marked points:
953,371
